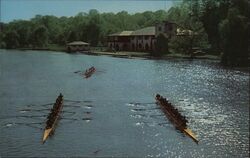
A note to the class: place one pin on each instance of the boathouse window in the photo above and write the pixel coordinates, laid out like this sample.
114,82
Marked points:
133,46
140,46
117,47
125,47
146,47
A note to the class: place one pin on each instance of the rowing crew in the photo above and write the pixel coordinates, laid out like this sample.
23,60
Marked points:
54,111
170,108
90,70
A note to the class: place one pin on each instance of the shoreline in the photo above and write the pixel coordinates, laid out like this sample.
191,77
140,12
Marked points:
138,55
127,54
144,55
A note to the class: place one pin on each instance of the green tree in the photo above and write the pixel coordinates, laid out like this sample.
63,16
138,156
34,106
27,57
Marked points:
11,39
235,36
161,45
181,44
93,28
2,35
40,36
185,16
24,32
61,39
72,36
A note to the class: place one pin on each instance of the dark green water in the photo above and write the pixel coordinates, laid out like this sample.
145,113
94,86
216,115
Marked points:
215,101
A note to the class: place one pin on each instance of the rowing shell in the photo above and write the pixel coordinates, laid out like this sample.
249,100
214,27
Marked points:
49,131
178,124
89,73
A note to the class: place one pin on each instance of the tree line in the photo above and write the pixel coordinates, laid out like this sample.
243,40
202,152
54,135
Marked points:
226,23
221,27
92,27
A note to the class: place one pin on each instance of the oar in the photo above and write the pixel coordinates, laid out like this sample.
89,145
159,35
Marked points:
85,101
144,109
77,71
163,123
69,112
29,123
137,103
89,106
34,116
97,151
157,115
33,110
69,119
87,119
138,115
8,117
34,127
40,105
87,112
71,106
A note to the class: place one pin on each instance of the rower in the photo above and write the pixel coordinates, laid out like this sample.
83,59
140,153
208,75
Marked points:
52,110
161,99
49,116
58,100
184,119
176,110
165,101
157,97
60,95
49,123
54,106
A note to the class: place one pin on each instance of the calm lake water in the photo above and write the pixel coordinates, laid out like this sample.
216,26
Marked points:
117,115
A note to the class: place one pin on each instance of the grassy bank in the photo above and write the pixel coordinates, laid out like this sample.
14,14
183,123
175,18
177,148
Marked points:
122,54
49,47
183,56
127,54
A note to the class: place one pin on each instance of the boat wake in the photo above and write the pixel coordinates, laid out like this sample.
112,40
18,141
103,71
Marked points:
35,115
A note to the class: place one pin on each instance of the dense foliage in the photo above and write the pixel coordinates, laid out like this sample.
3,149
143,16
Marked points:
226,23
220,26
90,27
161,45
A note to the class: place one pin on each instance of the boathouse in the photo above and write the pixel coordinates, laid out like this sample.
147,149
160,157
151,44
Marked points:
120,41
141,40
78,46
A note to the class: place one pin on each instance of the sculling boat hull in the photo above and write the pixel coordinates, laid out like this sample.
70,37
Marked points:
176,123
47,132
89,73
189,132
